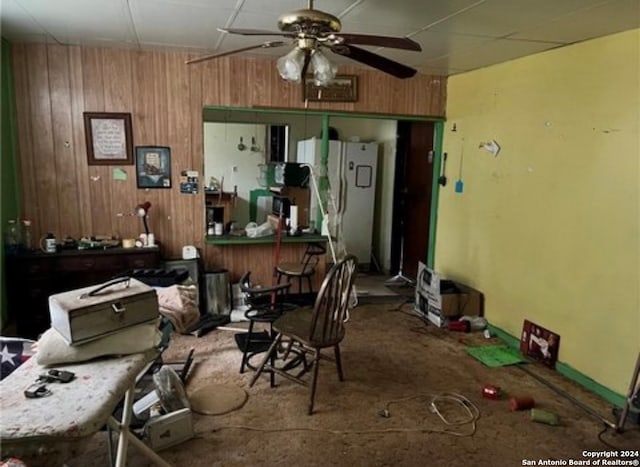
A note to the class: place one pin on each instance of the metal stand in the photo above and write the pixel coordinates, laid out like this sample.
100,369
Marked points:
400,278
633,397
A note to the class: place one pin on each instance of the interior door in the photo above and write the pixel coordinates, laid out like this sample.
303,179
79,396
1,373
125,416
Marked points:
412,197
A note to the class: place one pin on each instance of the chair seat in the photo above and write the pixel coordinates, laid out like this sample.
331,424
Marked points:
295,269
296,324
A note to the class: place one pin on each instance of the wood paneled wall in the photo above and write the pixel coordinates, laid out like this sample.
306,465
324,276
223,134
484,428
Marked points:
56,84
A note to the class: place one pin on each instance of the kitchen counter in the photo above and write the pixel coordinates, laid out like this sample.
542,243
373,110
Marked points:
269,239
260,255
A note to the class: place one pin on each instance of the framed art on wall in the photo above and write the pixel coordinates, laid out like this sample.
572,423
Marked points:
108,138
343,88
153,166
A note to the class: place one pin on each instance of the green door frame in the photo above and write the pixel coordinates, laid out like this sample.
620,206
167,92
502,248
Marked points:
10,180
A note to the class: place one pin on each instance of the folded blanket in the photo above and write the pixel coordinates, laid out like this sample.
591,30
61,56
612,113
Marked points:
178,304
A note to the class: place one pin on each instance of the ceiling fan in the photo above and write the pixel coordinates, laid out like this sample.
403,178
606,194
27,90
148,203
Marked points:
313,30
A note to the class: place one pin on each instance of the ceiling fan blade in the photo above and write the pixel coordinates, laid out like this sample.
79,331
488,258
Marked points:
380,41
374,60
265,45
255,32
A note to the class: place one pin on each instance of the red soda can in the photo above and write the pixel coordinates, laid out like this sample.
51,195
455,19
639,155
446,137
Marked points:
491,392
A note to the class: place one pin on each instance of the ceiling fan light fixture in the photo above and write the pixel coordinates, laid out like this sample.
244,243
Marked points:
290,65
323,70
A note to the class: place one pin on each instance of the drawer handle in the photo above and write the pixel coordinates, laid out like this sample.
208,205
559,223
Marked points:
118,307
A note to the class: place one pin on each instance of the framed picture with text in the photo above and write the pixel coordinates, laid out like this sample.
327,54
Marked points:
108,138
343,88
153,166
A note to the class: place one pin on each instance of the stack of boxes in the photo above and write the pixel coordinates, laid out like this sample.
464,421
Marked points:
441,301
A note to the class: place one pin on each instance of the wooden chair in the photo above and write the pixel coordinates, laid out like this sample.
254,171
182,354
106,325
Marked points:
305,269
312,330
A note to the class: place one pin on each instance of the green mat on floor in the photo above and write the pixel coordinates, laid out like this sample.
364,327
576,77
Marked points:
496,355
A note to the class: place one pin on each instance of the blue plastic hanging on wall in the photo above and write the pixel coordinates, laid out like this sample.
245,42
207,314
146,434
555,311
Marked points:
459,183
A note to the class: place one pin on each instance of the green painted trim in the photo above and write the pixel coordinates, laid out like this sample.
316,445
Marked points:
583,380
435,191
330,113
269,239
567,371
510,340
10,182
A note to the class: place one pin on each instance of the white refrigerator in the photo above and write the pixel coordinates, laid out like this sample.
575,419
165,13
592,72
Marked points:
351,169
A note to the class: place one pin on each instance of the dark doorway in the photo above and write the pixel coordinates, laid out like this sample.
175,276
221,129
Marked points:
412,197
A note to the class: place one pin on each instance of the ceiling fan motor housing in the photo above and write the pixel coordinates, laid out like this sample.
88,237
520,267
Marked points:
309,21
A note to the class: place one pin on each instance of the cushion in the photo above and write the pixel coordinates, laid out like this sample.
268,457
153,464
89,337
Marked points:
52,349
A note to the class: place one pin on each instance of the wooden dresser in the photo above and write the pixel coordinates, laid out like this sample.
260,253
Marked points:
32,277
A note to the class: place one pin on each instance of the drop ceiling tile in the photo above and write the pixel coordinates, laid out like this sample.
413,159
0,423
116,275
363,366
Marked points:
72,21
255,20
490,53
498,18
284,6
438,44
155,21
402,16
223,4
16,22
600,20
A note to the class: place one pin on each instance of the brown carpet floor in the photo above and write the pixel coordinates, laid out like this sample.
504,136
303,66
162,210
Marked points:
391,360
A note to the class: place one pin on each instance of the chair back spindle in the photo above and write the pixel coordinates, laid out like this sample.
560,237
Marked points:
332,302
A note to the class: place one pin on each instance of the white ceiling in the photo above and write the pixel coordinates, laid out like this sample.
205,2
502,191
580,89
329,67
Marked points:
455,35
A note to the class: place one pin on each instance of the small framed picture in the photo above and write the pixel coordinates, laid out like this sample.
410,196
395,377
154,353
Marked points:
539,343
153,166
108,138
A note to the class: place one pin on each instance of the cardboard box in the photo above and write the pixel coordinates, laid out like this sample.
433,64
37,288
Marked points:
461,301
440,300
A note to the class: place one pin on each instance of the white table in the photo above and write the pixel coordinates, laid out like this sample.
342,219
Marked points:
56,426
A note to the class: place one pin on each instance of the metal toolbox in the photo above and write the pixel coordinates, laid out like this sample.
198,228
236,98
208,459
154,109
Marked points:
89,313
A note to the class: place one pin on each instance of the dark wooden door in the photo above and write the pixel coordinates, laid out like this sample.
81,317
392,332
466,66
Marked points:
412,197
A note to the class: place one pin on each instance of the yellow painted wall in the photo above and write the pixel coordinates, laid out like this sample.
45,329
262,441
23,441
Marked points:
549,229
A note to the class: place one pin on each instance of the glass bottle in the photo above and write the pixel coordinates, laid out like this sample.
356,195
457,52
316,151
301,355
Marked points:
11,237
27,238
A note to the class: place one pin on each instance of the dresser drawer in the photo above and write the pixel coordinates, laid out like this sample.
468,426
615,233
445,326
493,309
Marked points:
33,277
33,268
141,261
91,263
